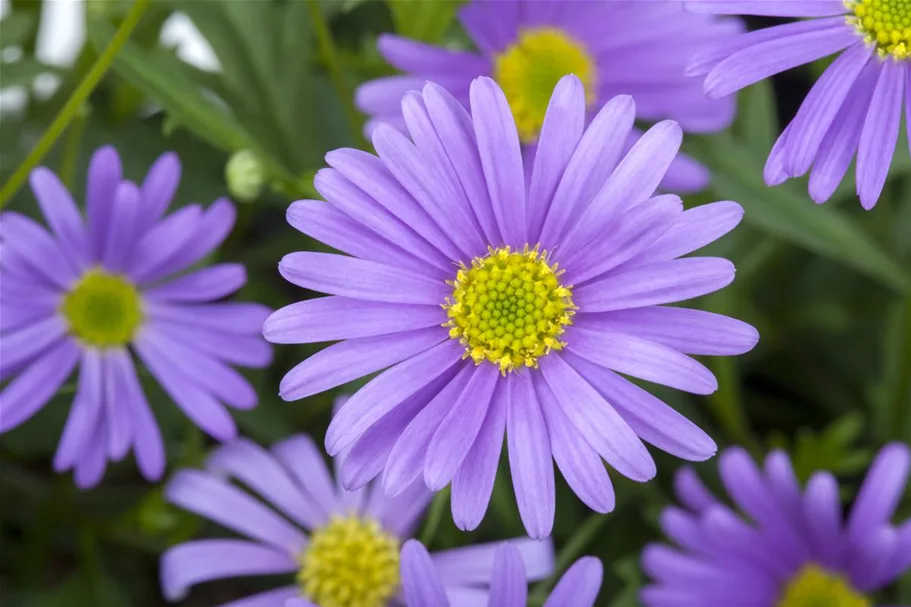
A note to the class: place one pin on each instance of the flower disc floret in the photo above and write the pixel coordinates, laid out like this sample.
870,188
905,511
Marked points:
815,587
509,308
103,309
528,71
884,23
351,562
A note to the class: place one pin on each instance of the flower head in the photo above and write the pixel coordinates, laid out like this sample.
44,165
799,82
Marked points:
578,587
497,305
92,293
615,47
854,108
793,550
337,548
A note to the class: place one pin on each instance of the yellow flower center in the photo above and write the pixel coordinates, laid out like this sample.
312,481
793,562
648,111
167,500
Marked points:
884,23
529,70
103,309
509,308
351,562
815,587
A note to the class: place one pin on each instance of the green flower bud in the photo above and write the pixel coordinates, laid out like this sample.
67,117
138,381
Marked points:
245,176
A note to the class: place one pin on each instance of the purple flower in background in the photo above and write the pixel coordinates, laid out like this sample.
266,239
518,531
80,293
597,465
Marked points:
794,550
93,291
422,586
499,308
338,548
854,108
614,47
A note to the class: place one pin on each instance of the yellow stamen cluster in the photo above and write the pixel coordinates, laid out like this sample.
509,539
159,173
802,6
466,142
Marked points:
815,587
529,70
884,23
351,562
103,310
509,308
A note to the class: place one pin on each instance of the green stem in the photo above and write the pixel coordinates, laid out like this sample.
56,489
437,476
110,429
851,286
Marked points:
74,103
571,550
330,53
73,144
901,407
435,517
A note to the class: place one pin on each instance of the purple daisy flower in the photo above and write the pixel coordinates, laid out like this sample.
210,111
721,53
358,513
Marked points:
496,307
339,548
526,46
854,108
578,587
794,550
94,291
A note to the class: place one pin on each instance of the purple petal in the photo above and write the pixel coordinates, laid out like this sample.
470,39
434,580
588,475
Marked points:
880,133
30,390
83,418
147,442
199,405
158,187
29,241
508,587
652,420
222,503
473,483
272,598
595,418
23,345
206,284
117,413
821,106
768,8
457,432
346,361
822,513
501,158
258,469
474,565
198,561
564,124
634,180
304,461
421,583
387,391
163,241
691,492
325,223
124,229
579,586
655,283
232,317
243,350
104,176
529,457
777,55
360,279
335,318
580,465
688,331
90,466
881,491
60,211
406,461
418,58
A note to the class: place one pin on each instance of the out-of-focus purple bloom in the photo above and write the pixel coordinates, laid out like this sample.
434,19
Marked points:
788,546
96,290
616,47
343,547
423,587
854,108
499,306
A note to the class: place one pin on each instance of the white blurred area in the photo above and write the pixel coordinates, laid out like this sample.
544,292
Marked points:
61,36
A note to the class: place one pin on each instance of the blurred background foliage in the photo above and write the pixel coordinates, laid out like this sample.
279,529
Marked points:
829,287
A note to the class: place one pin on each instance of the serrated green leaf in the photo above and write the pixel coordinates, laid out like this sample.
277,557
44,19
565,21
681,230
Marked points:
423,19
784,214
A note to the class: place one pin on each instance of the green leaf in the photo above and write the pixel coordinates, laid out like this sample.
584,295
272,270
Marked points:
24,72
757,123
423,19
628,571
783,213
16,28
834,448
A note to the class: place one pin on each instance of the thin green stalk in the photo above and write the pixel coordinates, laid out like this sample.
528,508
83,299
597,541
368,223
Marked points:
336,73
435,517
901,407
72,147
571,550
74,103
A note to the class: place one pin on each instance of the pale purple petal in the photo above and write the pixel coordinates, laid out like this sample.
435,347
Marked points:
117,414
822,513
158,187
880,133
579,586
304,461
30,390
691,492
883,487
416,57
508,587
421,583
83,418
769,8
147,443
243,350
104,175
27,240
473,565
234,318
163,241
206,284
198,561
271,598
124,229
60,211
23,345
